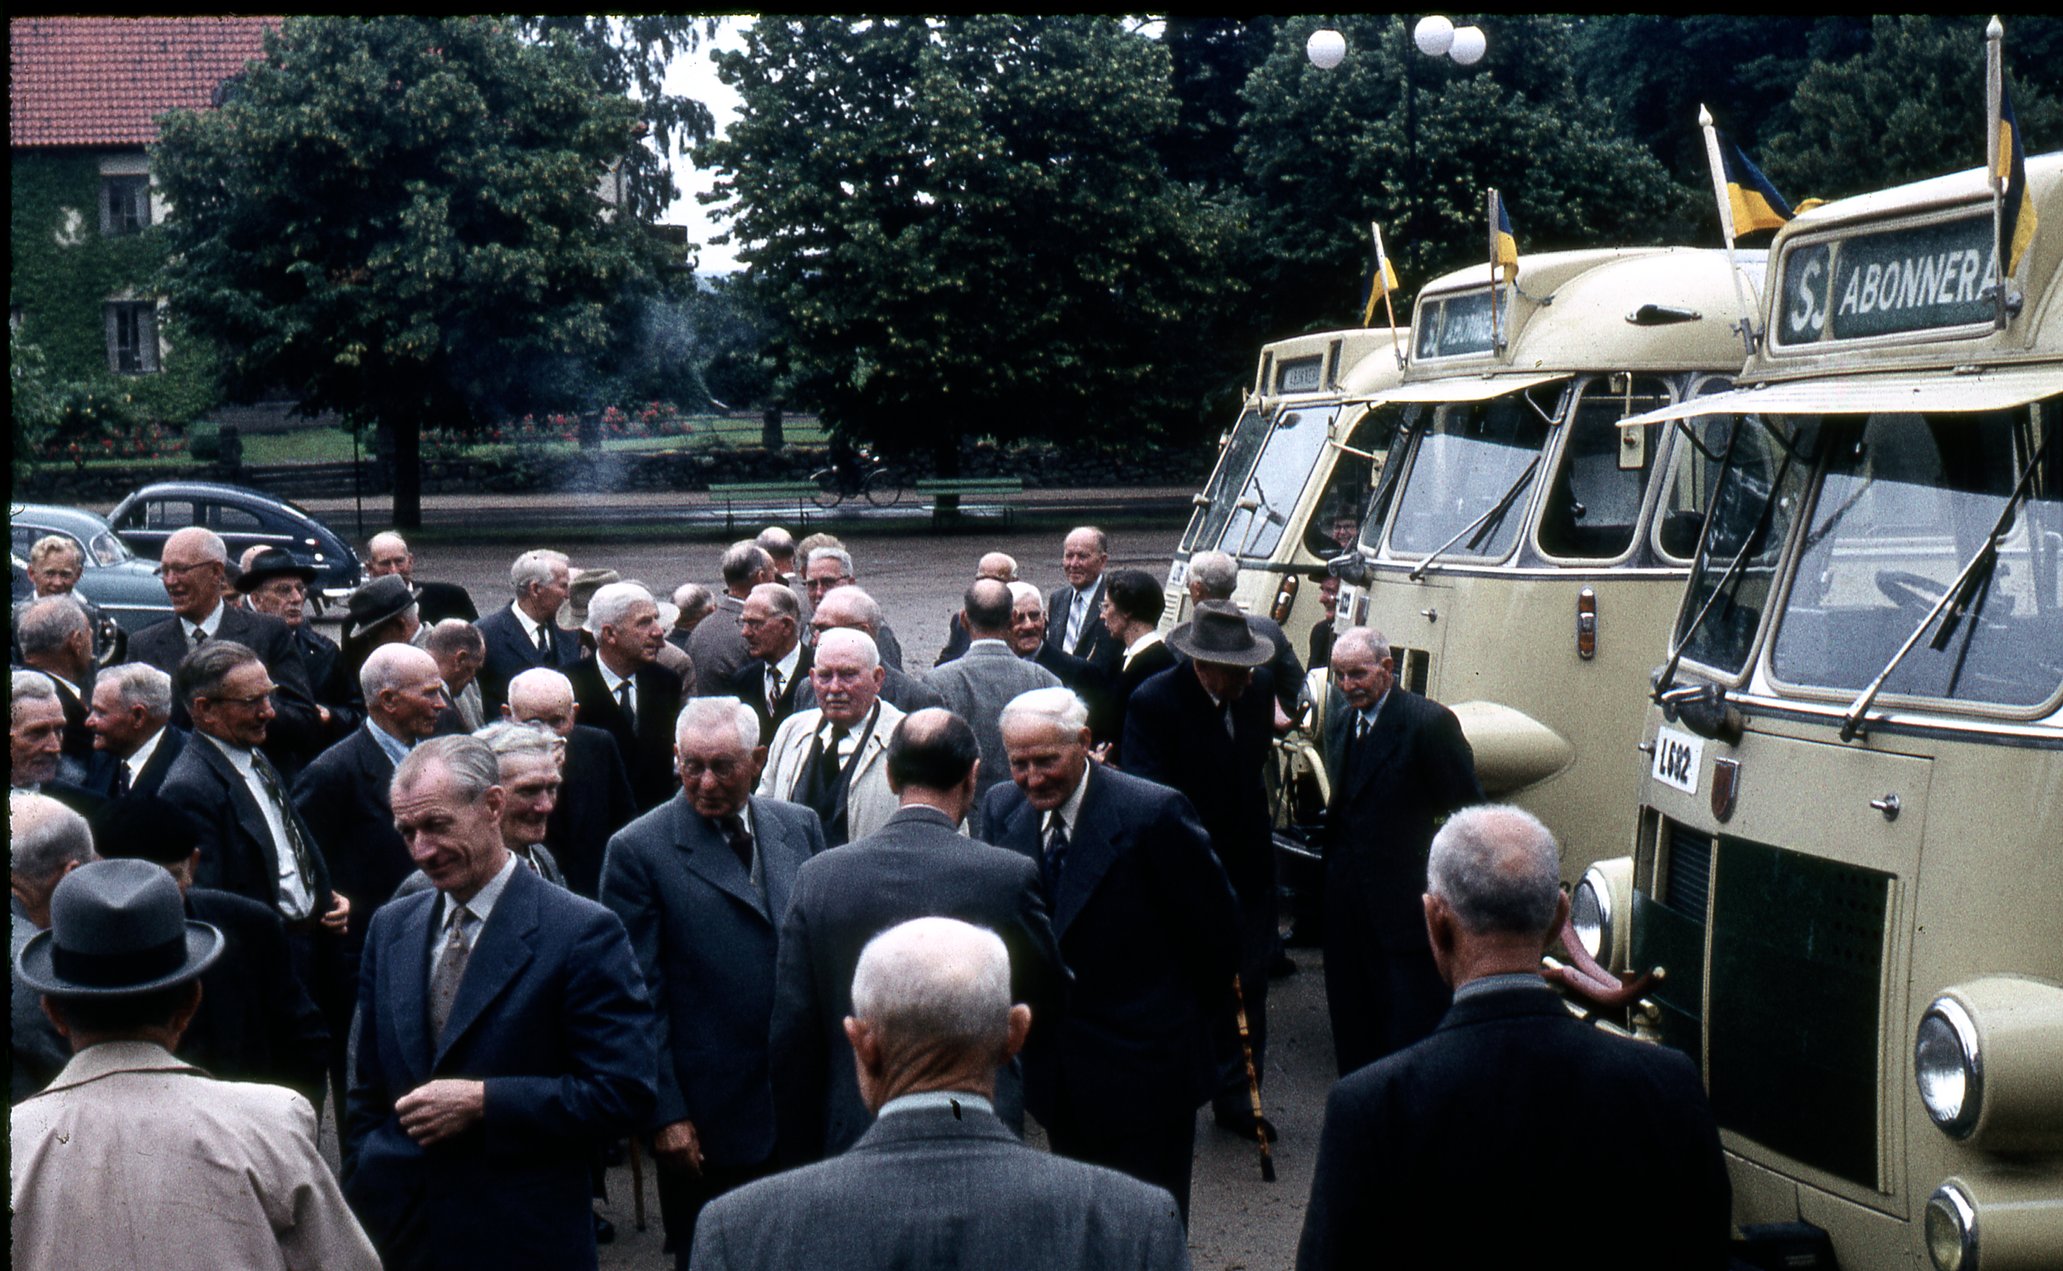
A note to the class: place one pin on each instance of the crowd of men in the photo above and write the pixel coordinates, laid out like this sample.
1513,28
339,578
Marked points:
718,874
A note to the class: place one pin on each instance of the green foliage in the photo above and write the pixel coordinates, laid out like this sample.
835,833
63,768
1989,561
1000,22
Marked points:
1212,58
1413,143
32,400
964,226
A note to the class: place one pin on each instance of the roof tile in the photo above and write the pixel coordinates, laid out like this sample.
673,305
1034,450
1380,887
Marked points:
80,81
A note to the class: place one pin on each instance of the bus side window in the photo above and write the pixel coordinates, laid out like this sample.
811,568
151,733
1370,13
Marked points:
1688,496
1336,518
1593,507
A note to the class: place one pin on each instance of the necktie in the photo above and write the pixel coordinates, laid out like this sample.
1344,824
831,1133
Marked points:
830,765
121,778
1360,727
1056,857
623,699
773,690
276,791
200,637
544,643
449,970
740,839
1076,613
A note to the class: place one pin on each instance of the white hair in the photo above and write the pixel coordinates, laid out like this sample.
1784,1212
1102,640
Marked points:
541,678
1056,706
839,554
31,686
141,684
838,638
1498,868
1021,589
935,983
1368,638
50,623
44,836
706,714
535,569
1215,574
609,605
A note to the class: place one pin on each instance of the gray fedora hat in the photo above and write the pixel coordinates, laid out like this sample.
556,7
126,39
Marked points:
117,929
384,598
1218,633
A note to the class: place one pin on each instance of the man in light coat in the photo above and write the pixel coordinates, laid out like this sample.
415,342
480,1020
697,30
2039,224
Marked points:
832,757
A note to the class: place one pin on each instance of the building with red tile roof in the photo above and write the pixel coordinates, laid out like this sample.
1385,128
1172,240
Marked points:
102,82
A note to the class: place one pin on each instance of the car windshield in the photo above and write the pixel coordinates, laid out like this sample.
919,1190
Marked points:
1907,507
1208,524
1767,465
1468,477
1260,509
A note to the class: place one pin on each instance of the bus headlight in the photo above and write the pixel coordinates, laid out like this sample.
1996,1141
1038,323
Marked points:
2005,1220
1949,1069
1598,908
1988,1060
1952,1229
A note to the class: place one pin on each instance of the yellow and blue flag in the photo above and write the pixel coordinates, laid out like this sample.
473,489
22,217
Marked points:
1382,280
2016,214
1504,248
1755,202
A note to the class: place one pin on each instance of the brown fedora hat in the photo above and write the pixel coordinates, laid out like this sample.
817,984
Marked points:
1218,633
586,582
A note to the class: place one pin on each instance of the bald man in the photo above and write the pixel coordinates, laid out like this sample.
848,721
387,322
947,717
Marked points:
1000,566
595,800
388,553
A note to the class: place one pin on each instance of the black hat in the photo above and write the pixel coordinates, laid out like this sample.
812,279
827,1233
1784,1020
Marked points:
384,598
273,563
144,827
1219,633
117,929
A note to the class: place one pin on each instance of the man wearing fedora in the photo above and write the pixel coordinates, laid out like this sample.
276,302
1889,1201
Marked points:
1205,729
197,1172
273,582
382,611
523,633
388,553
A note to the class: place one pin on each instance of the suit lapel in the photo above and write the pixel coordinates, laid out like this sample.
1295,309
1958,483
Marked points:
1373,753
250,818
707,856
407,989
1099,838
779,857
500,953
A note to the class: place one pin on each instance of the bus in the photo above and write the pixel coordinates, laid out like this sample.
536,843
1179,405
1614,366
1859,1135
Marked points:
1293,475
1523,554
1846,890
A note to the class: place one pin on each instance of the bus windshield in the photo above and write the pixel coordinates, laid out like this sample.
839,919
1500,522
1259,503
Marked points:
1907,506
1471,466
1233,465
1767,465
1259,510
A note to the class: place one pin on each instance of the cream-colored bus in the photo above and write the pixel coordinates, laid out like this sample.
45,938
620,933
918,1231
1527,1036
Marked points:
1524,555
1293,475
1849,859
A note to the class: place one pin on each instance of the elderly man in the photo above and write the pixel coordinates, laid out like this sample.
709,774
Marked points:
932,1023
1398,763
506,1038
194,566
460,651
46,841
772,626
133,736
830,758
853,609
916,865
273,582
718,645
701,883
979,684
829,569
1072,624
35,737
388,553
691,604
1000,566
1459,1128
1215,576
184,1171
624,691
595,798
1150,929
529,755
56,639
54,568
526,634
1206,729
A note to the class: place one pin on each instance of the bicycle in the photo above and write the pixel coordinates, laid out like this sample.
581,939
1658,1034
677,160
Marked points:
867,476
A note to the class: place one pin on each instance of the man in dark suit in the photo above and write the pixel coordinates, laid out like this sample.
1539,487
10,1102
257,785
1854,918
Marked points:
1072,624
55,638
718,647
939,1180
526,633
1028,639
1132,605
1458,1129
1215,576
623,690
256,1022
194,566
272,582
35,732
1148,926
917,865
701,883
506,1037
772,626
1398,764
388,553
133,735
595,799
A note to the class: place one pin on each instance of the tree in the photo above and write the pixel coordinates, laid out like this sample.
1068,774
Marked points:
33,400
964,228
398,219
1412,143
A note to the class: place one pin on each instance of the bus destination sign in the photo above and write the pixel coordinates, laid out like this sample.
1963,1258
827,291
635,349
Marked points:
1456,325
1916,278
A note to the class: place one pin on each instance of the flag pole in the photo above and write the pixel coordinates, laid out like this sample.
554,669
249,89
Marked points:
1726,225
1382,280
1490,218
1994,75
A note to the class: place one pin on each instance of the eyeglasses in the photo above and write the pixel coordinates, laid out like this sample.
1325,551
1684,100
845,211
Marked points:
721,769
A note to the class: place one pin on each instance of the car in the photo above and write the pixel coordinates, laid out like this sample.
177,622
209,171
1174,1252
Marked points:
125,588
243,517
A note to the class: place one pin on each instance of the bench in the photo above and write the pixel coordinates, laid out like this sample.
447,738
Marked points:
945,493
733,493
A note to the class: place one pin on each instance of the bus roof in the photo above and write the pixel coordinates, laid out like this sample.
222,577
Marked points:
1319,362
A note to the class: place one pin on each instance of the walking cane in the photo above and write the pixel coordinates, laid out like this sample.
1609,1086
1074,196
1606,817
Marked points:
1253,1083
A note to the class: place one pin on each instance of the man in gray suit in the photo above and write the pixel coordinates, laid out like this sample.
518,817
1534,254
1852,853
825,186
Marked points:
932,1020
701,882
977,685
718,646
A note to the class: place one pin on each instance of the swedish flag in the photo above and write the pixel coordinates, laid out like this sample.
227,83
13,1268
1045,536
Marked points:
1755,202
1504,248
2016,217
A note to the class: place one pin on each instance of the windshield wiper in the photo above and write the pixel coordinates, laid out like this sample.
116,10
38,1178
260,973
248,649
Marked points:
1971,583
1492,517
1265,508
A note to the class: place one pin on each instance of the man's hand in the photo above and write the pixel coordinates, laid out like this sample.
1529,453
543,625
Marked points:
441,1109
339,915
678,1144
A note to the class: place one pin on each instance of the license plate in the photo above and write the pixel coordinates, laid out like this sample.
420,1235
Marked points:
1677,757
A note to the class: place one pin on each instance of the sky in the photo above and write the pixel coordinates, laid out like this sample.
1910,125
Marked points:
692,75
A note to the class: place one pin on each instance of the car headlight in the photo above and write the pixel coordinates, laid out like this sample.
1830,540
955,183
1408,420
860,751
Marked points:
1949,1069
1952,1229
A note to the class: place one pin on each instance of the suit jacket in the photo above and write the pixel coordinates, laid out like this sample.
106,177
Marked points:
77,743
1175,735
717,645
296,733
237,851
1151,661
647,749
867,802
977,686
957,640
438,601
1489,1105
342,796
39,1053
101,773
1092,682
1094,643
987,1201
333,685
916,866
552,1016
748,685
256,1021
595,801
1149,927
899,689
706,934
1388,798
510,652
185,1173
